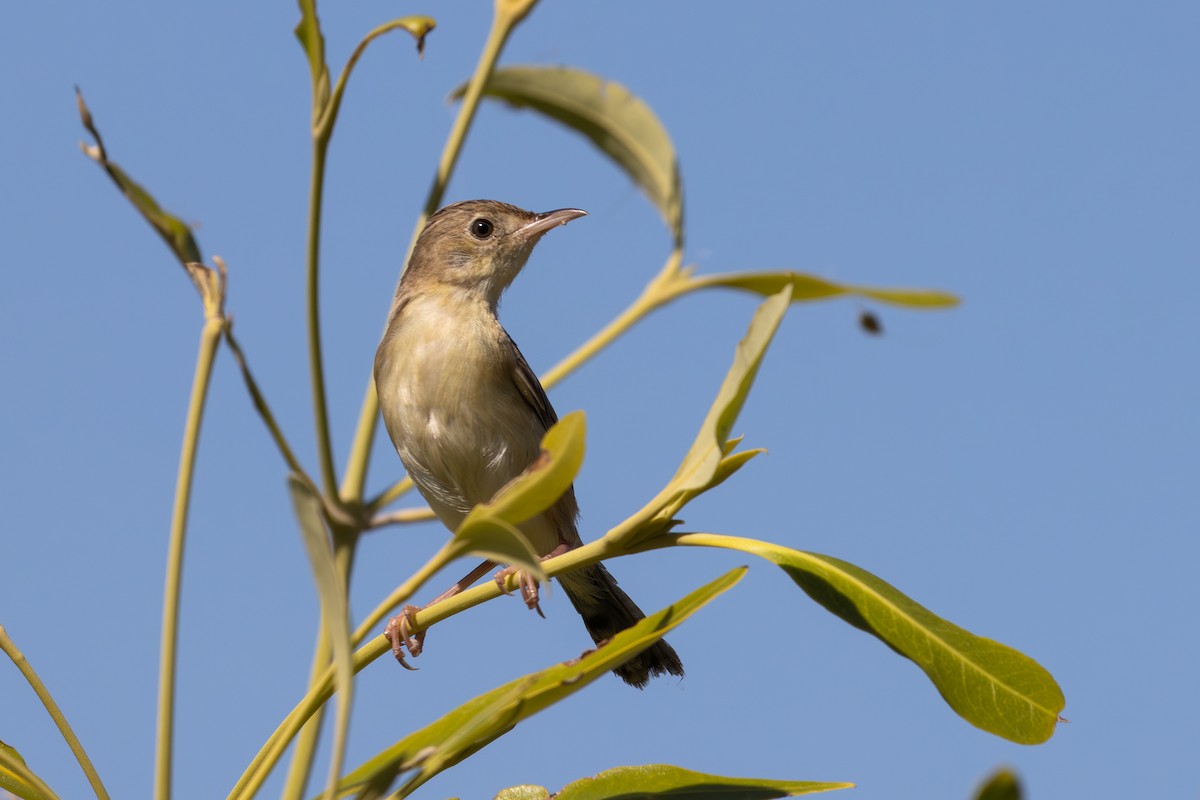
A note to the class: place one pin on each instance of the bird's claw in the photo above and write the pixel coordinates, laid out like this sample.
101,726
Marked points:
399,633
526,582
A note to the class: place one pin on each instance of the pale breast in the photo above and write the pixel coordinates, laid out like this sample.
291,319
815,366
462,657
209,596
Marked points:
460,426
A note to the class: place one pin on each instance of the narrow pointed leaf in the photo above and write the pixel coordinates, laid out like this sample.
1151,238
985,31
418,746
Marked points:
17,778
810,287
622,126
483,719
704,458
331,590
308,32
666,781
990,685
173,230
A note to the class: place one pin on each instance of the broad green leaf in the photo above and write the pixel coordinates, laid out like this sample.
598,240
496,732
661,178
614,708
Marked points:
1002,785
490,529
331,590
622,126
483,719
665,781
174,232
810,287
990,685
703,460
17,778
498,541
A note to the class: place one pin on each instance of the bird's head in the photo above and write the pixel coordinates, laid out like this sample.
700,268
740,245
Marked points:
479,245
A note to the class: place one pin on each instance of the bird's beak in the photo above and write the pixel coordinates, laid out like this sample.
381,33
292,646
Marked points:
549,219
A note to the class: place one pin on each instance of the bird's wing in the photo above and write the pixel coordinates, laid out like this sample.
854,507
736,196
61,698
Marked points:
530,387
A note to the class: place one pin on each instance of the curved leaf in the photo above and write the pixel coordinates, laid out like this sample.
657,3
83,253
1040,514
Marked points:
497,541
17,778
704,459
308,33
665,781
173,231
548,478
990,685
483,719
810,287
613,118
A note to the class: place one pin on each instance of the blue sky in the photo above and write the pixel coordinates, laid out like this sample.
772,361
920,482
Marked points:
1024,465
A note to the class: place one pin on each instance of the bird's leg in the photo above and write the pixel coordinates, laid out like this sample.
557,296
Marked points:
527,583
399,628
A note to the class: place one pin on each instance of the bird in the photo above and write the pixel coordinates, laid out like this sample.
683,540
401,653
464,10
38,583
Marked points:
467,414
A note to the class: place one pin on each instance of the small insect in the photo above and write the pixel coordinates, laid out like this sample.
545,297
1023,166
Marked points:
869,322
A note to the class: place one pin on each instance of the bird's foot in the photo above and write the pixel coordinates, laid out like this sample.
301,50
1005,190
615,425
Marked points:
399,633
527,583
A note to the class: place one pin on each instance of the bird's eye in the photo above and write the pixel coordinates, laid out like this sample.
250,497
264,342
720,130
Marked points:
481,228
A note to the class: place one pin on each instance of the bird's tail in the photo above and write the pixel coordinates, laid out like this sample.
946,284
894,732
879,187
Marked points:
606,611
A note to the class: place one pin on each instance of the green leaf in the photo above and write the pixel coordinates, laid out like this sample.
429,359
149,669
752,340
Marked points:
498,541
613,118
308,32
526,792
990,685
1002,785
483,719
548,478
810,287
331,590
665,781
174,232
703,461
490,529
17,778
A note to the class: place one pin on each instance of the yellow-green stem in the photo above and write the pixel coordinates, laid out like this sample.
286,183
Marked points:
312,283
26,669
210,337
368,418
391,494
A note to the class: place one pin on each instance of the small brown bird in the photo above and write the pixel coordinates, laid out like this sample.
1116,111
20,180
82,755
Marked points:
465,411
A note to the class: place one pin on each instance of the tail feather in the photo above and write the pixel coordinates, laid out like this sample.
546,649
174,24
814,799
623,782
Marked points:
606,611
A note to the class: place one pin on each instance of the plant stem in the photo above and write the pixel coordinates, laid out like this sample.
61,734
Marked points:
210,337
22,664
312,284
